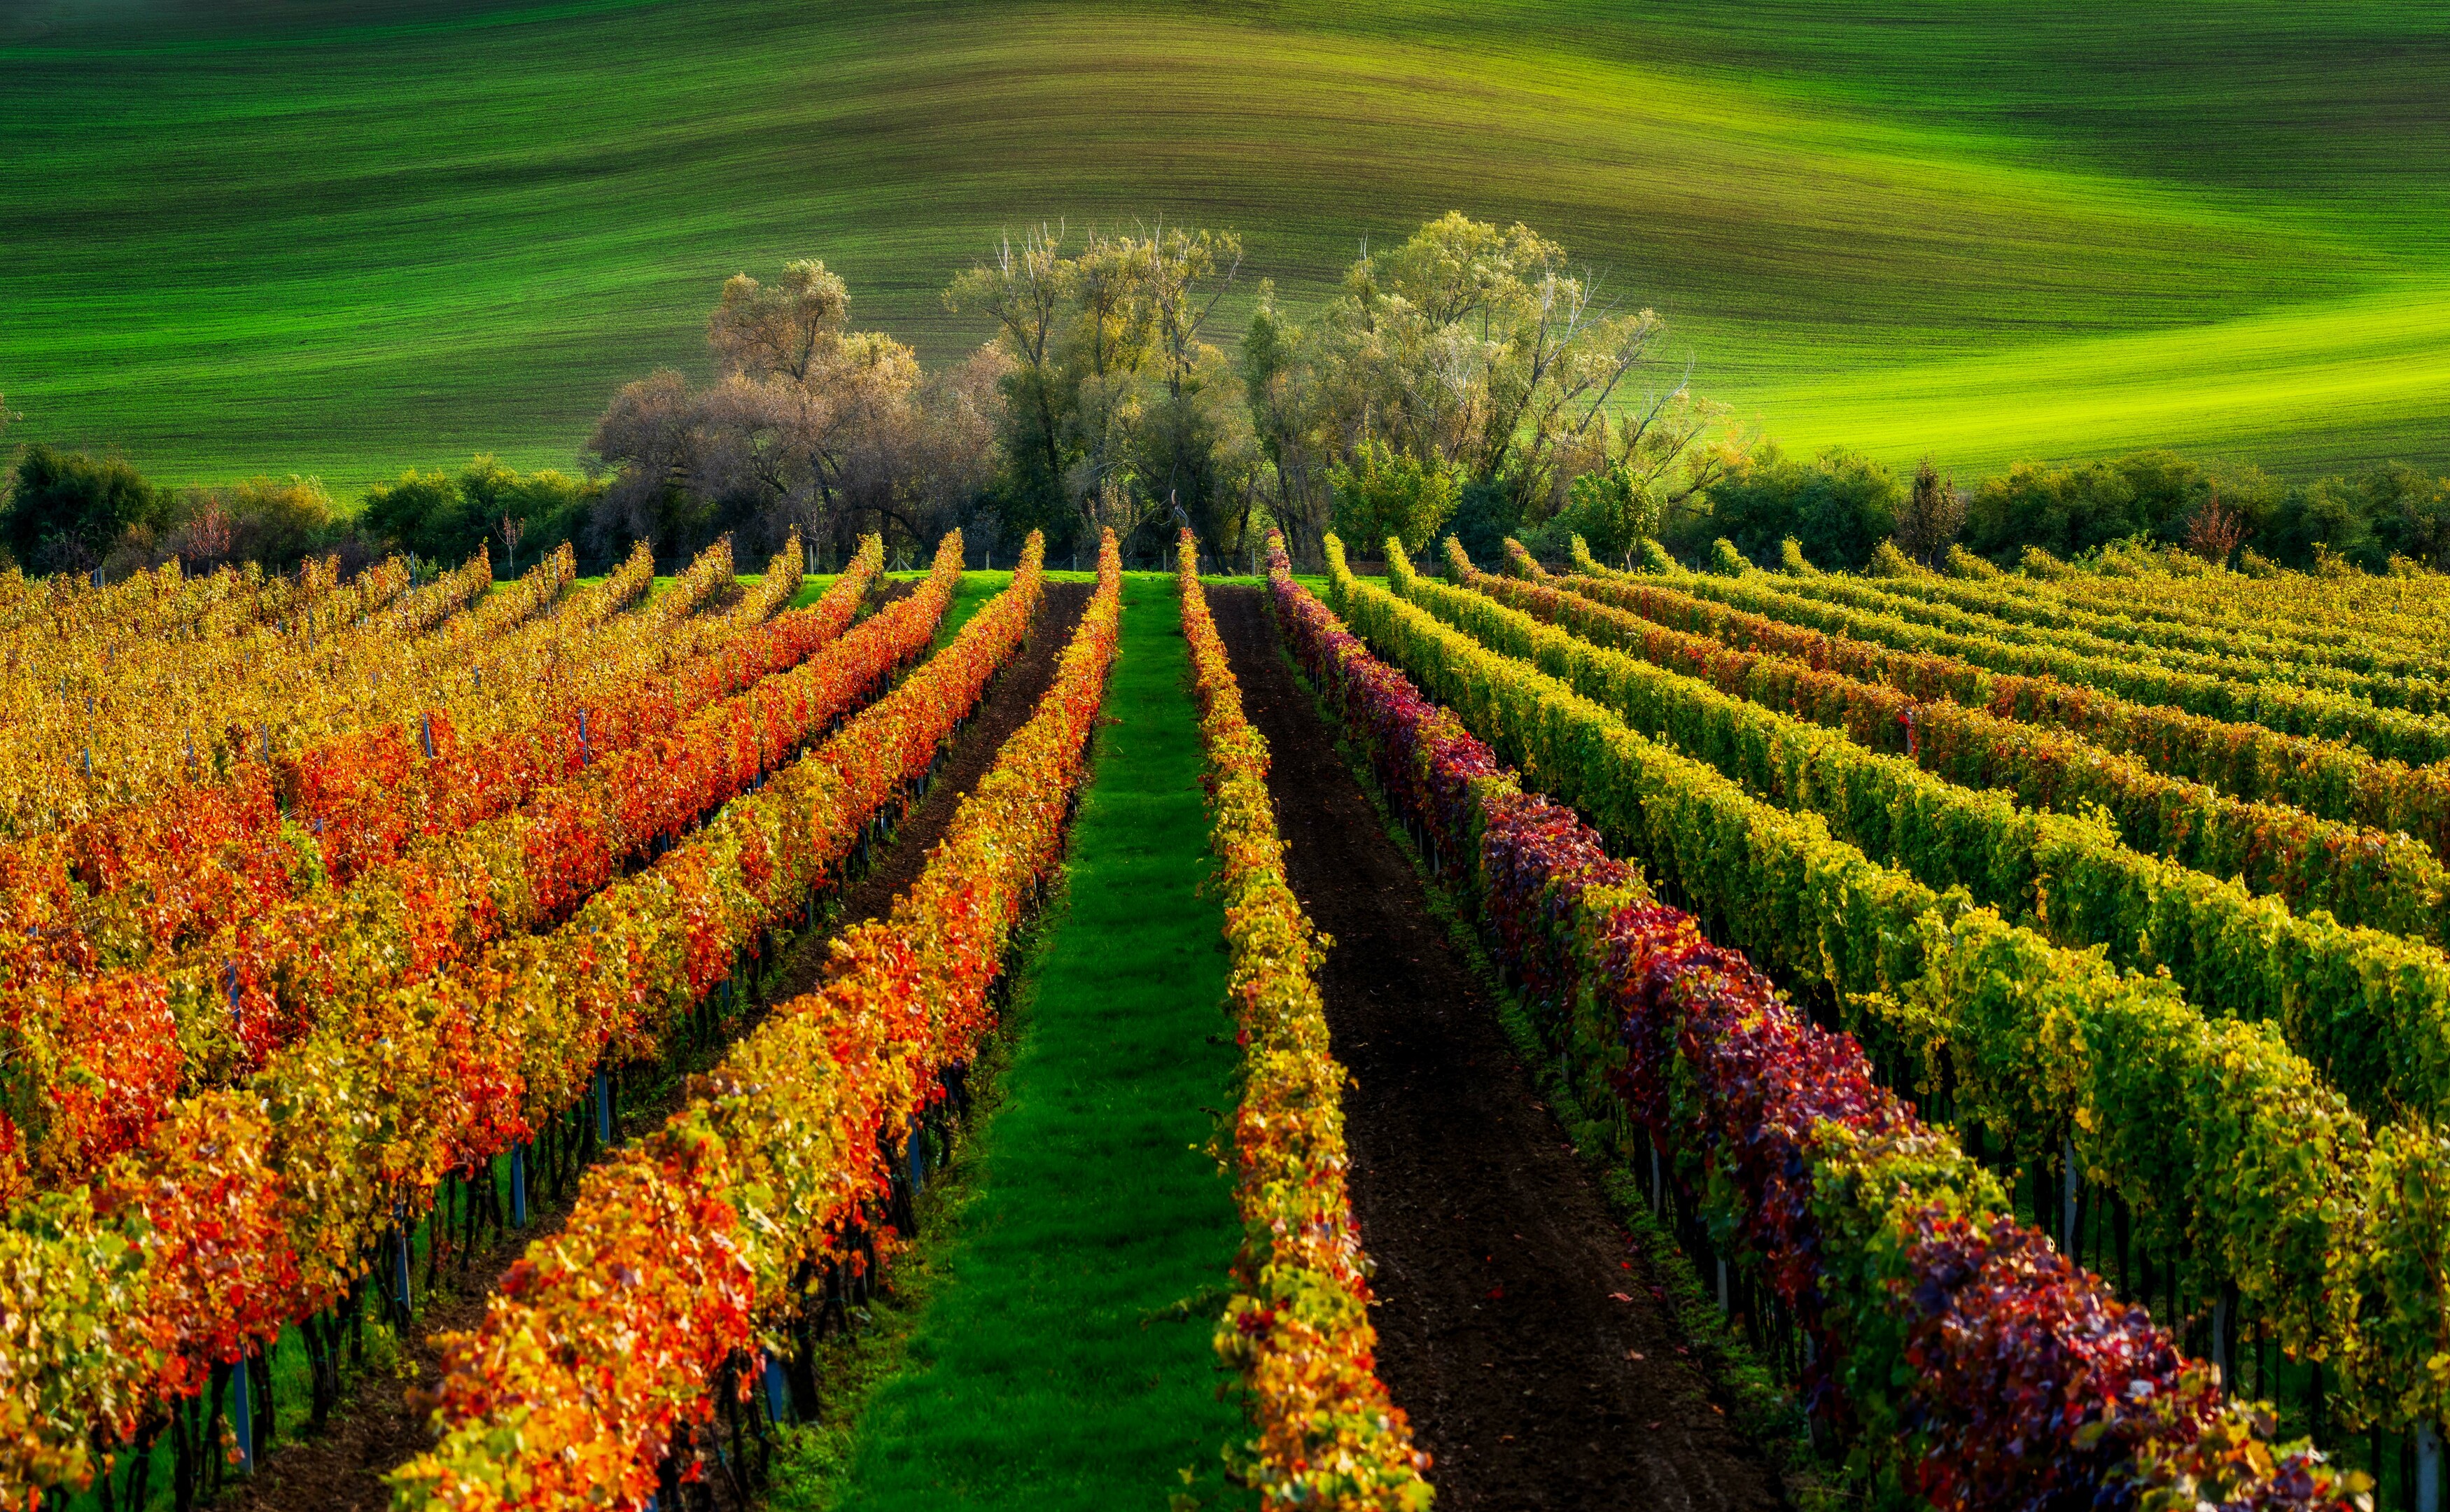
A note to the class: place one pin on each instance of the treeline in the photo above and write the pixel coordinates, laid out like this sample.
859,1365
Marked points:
1470,375
1840,507
1470,379
69,511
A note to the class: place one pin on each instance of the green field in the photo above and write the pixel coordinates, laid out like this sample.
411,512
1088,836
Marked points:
341,236
1064,1357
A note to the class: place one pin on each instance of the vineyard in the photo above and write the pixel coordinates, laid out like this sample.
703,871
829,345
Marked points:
2040,974
1516,1034
771,758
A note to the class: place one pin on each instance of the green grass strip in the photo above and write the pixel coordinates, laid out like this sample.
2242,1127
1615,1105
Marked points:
1063,1359
976,589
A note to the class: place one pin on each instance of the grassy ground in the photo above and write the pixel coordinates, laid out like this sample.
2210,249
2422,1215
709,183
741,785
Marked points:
976,589
343,237
1062,1358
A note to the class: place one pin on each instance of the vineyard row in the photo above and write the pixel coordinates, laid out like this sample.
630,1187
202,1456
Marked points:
1954,1352
268,1203
2181,1121
697,1249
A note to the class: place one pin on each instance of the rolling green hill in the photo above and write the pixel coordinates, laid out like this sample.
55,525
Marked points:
342,238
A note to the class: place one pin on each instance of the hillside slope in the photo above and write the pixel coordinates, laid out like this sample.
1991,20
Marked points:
342,238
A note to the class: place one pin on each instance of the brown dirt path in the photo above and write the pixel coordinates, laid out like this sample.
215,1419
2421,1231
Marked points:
1515,1321
1011,699
376,1429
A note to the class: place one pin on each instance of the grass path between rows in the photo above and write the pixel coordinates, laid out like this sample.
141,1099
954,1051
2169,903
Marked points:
1062,1357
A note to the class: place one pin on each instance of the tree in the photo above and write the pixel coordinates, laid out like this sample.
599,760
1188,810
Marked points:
1025,290
1649,473
651,437
448,518
789,331
1932,517
422,513
276,523
801,398
808,425
67,510
1295,449
2151,495
1479,349
2327,525
1840,507
1189,432
1389,493
1118,411
207,538
1612,513
943,460
2215,531
2410,512
509,528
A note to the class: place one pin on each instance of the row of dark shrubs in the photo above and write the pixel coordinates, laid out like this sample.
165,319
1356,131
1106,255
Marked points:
69,511
1840,505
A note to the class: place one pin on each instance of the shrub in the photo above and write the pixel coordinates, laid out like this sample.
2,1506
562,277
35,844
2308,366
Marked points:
434,515
1887,561
1932,517
1391,492
67,508
1962,563
2068,510
1837,506
2409,511
1612,512
1485,514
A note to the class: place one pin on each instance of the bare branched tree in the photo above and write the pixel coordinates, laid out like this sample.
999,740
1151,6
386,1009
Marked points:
809,426
2215,530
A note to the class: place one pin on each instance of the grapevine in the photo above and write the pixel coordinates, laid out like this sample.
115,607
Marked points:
2313,713
576,1390
344,1136
2049,1050
2248,762
1330,1436
2371,1009
642,775
1974,1364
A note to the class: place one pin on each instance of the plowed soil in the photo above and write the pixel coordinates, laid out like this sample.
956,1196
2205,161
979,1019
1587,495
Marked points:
1516,1322
1007,707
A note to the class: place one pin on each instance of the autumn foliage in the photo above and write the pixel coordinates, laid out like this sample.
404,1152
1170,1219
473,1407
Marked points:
1298,1327
1974,1365
254,1206
606,1341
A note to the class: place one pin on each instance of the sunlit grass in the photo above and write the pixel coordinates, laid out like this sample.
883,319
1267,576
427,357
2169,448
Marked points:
1063,1358
2294,389
348,250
